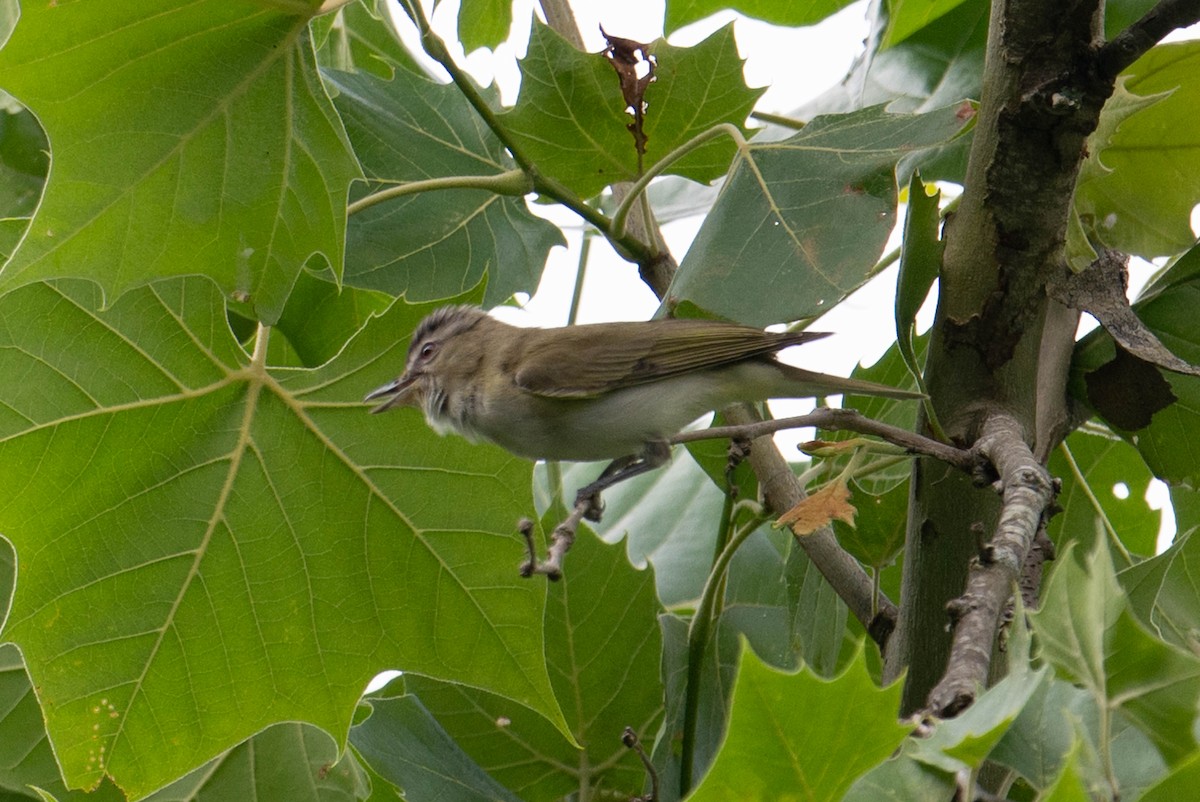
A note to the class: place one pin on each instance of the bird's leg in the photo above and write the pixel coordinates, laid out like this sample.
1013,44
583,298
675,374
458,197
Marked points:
588,505
654,454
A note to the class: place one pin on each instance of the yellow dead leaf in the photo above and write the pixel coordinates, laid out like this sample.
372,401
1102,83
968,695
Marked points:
831,501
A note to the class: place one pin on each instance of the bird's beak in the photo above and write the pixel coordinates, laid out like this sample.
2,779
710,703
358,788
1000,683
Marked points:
399,393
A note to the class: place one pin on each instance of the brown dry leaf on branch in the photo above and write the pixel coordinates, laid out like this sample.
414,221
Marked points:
625,55
818,510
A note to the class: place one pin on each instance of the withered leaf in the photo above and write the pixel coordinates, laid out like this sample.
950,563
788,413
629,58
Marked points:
1127,391
625,56
830,502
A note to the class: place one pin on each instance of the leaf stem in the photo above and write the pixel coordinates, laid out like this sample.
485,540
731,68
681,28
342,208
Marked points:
702,626
513,182
629,247
656,169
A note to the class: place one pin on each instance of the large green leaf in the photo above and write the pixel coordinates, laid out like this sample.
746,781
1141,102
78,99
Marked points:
794,13
603,650
1088,634
362,36
570,118
295,762
1162,592
438,243
906,17
1116,479
1145,179
937,65
407,748
208,545
800,222
186,138
801,736
484,23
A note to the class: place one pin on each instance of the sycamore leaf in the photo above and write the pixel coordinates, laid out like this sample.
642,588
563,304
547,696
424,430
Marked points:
484,23
802,737
1090,637
362,36
208,545
831,502
571,119
906,17
604,650
435,244
800,222
1145,179
186,138
685,12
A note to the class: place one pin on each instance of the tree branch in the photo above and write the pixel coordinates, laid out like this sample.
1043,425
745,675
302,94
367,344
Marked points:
1130,44
1028,491
850,420
782,491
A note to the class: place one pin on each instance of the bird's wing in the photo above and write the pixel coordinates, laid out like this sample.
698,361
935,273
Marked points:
587,361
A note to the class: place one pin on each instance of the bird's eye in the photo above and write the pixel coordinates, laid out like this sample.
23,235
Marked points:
428,350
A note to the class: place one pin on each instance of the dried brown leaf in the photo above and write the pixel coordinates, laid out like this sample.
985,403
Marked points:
830,502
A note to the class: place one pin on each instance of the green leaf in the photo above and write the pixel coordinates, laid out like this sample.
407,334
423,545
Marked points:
260,545
295,762
1162,592
408,748
1069,786
800,736
792,14
1168,310
1037,742
362,36
717,671
966,740
319,318
484,23
23,163
1141,201
877,536
1104,464
936,66
1179,784
603,649
570,117
906,17
188,138
1089,636
901,779
920,264
434,244
800,222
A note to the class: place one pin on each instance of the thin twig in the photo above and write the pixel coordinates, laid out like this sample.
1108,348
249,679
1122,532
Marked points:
1130,44
847,420
1028,492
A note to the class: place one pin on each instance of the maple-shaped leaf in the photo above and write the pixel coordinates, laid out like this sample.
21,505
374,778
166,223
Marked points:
1137,190
571,120
185,138
434,244
207,544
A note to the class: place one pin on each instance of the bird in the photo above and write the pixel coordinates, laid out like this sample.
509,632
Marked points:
600,391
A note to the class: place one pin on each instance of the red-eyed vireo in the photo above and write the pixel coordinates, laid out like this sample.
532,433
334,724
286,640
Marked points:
614,391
